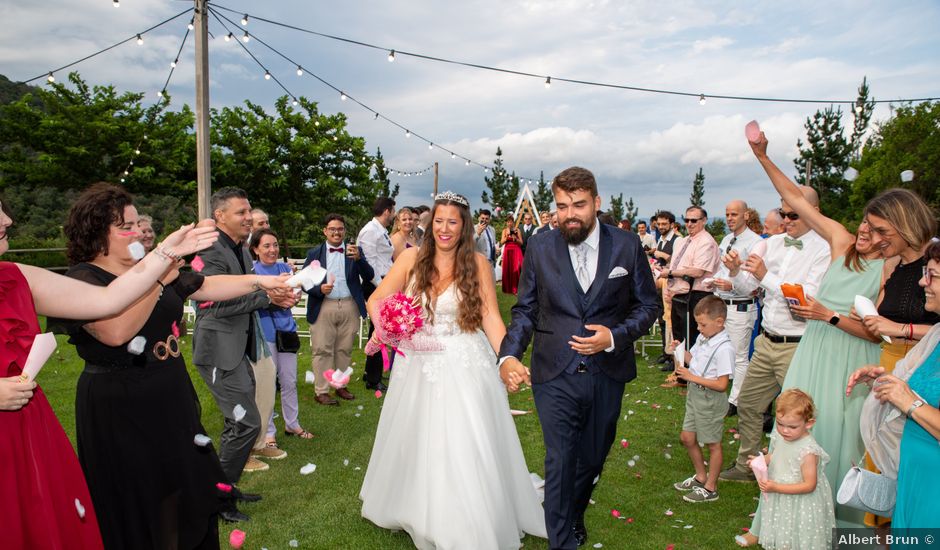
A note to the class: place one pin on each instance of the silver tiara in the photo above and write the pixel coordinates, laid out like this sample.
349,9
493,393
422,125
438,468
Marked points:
452,197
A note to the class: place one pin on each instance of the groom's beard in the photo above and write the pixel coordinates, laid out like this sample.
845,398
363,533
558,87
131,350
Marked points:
576,235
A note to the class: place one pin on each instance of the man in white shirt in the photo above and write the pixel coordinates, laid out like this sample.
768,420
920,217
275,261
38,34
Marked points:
485,237
646,238
742,306
799,256
527,230
377,249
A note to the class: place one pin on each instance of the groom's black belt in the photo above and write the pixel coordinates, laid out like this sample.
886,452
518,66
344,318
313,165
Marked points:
780,339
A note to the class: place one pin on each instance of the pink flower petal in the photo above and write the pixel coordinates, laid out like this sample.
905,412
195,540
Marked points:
206,305
197,264
176,329
224,487
236,538
615,513
378,394
624,443
629,520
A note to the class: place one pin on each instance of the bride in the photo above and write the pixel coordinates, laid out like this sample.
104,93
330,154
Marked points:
447,465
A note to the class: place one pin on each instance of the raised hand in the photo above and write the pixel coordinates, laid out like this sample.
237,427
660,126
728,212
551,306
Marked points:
189,239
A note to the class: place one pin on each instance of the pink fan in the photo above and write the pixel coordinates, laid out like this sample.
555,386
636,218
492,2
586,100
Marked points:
752,131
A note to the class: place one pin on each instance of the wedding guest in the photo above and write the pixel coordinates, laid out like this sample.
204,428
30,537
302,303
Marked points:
753,221
485,237
511,241
228,347
259,220
145,228
280,335
545,222
834,344
45,502
646,238
800,256
742,306
554,222
424,218
403,231
335,307
773,223
135,408
661,255
696,260
527,230
625,225
901,420
796,494
706,367
377,249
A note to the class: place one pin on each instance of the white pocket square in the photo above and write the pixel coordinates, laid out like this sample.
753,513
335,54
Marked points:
617,272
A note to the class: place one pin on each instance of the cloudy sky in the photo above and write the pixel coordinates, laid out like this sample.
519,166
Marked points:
646,146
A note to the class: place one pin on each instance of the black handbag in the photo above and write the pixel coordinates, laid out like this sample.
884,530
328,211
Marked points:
287,342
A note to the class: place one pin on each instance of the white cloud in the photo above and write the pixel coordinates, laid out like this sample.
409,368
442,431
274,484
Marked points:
711,44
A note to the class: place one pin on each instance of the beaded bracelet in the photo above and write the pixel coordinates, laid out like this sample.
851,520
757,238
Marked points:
167,253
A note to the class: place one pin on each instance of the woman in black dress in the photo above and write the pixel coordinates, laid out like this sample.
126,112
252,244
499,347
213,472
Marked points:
137,418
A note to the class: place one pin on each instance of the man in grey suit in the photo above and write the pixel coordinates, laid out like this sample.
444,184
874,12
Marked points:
226,339
485,237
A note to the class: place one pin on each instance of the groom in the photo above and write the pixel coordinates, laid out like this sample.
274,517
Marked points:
587,292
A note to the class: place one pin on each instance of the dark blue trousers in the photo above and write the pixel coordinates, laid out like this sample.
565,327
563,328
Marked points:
578,412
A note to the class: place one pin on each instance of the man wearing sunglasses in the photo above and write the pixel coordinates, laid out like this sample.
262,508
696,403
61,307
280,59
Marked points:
742,306
799,256
696,260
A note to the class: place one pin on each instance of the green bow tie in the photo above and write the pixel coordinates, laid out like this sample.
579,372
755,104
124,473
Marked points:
787,241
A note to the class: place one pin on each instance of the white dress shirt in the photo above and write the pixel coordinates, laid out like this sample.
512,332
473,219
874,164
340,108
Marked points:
486,243
336,266
592,241
719,350
787,264
742,244
377,248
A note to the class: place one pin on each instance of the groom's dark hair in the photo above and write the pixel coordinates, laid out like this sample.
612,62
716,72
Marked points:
575,179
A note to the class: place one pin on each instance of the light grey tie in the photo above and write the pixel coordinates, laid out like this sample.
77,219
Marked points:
584,277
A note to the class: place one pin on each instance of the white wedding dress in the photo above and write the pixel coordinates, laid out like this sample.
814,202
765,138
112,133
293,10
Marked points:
447,465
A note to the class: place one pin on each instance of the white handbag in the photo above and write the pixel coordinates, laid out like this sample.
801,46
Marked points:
869,491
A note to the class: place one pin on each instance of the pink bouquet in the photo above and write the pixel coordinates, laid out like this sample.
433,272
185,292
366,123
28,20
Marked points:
400,320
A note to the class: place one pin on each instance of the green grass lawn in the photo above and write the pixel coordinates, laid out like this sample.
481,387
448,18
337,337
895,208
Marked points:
321,510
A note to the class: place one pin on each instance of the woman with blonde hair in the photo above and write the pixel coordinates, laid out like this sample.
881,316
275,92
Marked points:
447,466
403,232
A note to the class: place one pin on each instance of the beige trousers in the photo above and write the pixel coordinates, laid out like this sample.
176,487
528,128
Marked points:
265,374
331,339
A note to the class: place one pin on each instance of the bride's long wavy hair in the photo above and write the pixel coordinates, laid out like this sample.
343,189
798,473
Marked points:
470,305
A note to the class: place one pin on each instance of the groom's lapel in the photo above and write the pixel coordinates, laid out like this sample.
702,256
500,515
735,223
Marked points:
605,258
566,272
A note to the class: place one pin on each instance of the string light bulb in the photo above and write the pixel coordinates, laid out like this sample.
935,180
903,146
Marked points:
548,82
173,63
468,163
140,40
136,151
116,3
430,146
407,133
376,117
229,36
701,99
267,75
160,93
245,37
245,20
190,25
391,56
453,156
51,77
300,71
295,102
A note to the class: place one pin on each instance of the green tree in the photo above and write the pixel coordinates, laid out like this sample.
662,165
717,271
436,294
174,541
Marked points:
717,229
827,153
910,140
697,198
616,207
630,211
380,176
296,159
543,194
503,187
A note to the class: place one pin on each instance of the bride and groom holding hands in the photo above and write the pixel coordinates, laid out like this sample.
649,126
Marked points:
447,465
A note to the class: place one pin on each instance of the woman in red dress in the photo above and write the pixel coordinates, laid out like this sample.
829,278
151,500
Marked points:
45,502
511,241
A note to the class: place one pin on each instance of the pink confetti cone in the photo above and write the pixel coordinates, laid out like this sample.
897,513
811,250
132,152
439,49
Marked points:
752,131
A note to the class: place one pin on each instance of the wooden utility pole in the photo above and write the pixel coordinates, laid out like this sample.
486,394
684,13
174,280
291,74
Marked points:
203,172
435,179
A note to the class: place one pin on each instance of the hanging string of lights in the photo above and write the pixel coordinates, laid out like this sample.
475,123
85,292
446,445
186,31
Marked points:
302,71
137,37
405,173
162,97
701,96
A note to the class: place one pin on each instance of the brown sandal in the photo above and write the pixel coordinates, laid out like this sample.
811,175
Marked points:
302,434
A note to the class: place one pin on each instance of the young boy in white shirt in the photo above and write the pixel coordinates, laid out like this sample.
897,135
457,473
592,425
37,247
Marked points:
708,366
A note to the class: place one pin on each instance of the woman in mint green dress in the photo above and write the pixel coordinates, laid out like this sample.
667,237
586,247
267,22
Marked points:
833,344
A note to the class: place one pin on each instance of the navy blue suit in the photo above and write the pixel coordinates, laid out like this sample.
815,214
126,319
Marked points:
356,272
578,397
